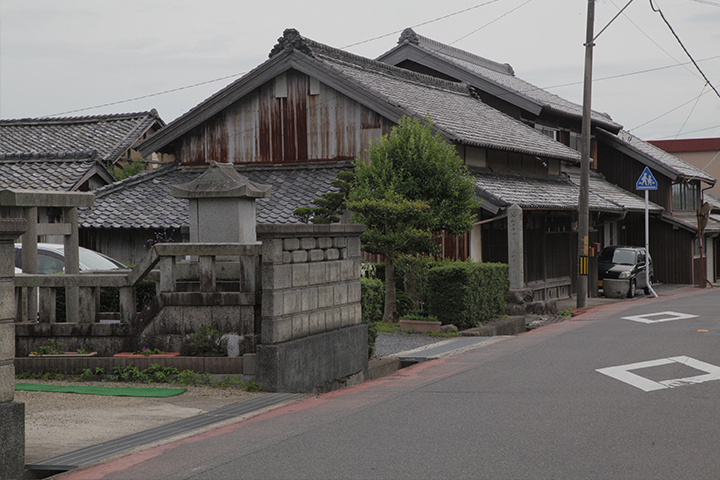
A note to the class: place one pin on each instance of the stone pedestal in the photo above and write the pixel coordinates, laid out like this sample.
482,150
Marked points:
12,414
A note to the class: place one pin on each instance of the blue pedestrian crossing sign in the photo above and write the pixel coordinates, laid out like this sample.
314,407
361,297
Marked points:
646,181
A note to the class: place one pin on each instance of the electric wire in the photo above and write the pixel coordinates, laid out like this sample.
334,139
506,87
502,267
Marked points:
459,39
142,97
691,111
420,24
658,10
627,17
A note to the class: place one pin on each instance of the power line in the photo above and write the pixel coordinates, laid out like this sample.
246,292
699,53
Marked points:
621,75
146,96
243,73
668,112
683,47
491,22
421,24
697,100
653,41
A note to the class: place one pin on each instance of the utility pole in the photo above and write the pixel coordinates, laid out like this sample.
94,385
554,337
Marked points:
584,200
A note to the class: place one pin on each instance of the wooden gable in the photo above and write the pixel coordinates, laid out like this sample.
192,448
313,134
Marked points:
291,118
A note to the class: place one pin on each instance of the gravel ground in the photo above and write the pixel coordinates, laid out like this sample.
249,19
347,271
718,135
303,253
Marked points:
56,423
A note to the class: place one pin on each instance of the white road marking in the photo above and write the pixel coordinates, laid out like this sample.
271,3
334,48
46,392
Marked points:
665,317
623,373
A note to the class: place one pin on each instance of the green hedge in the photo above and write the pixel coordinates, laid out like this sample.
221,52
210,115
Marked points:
372,300
467,293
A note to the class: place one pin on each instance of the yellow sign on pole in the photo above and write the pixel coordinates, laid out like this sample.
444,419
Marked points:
583,265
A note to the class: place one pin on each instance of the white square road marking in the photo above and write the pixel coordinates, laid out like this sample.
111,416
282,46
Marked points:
664,317
623,373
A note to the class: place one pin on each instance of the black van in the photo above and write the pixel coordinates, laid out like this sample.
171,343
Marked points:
621,261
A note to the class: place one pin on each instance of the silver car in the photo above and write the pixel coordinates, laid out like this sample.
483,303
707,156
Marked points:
51,259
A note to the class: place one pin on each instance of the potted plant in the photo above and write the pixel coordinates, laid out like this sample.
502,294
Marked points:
419,323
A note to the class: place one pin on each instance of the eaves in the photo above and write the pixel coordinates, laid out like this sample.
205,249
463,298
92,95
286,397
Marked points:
429,59
642,157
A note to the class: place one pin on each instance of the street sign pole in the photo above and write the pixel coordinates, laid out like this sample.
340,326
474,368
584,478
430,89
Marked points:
647,244
647,182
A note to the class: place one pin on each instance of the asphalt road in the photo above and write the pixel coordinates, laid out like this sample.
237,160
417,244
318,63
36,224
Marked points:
535,406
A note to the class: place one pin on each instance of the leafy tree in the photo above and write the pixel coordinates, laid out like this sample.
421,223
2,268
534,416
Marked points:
121,172
331,205
414,184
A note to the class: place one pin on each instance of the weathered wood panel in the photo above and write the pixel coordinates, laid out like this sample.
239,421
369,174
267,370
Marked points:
624,172
299,127
671,250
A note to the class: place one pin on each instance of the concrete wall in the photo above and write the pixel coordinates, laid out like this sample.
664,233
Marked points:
311,329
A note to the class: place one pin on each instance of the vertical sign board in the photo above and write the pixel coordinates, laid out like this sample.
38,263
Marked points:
645,183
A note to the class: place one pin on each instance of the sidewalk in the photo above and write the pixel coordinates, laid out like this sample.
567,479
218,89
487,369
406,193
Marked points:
661,289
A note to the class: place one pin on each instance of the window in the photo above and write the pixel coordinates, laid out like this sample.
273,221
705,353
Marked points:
547,131
685,196
575,141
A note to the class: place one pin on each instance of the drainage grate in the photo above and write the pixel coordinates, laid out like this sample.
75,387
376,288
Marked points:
94,453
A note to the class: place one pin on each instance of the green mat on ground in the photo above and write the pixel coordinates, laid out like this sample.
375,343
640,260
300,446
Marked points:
89,390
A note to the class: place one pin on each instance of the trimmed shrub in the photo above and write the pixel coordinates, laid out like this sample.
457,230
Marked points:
372,301
467,293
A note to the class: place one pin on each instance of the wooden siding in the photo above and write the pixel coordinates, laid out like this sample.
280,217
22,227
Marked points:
623,171
671,250
261,128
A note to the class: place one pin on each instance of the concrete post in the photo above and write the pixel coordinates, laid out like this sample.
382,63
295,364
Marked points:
515,246
30,263
12,414
72,267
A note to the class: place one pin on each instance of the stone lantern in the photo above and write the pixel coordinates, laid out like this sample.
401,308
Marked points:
222,205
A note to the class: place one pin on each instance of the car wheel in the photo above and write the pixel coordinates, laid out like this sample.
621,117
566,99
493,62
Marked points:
631,290
647,289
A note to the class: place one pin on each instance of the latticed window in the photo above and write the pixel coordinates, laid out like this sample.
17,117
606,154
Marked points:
685,196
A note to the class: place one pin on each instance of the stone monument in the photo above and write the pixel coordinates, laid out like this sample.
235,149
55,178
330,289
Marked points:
12,414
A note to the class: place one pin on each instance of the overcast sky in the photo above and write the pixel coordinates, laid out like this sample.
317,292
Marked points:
63,57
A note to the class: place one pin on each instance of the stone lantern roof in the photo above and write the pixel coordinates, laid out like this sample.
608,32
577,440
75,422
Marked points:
221,180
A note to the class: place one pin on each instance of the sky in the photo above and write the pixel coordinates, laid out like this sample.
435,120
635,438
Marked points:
88,57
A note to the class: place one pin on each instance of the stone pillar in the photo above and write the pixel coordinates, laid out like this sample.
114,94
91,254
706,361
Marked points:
515,246
222,205
12,414
72,267
311,331
30,262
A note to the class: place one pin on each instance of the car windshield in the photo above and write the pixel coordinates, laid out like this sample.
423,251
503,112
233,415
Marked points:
618,256
97,261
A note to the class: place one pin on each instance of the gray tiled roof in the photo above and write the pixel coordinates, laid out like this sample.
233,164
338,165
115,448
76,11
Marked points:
658,157
455,111
534,192
145,201
602,188
109,135
60,174
501,75
451,107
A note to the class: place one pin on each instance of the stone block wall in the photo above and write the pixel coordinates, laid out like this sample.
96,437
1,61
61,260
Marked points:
310,277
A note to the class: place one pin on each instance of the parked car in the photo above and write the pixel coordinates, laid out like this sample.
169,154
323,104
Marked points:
51,259
625,262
